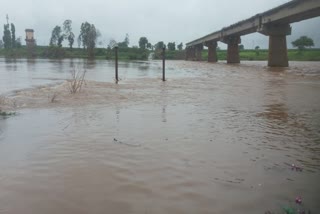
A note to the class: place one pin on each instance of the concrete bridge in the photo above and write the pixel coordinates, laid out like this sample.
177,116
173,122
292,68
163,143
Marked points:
274,23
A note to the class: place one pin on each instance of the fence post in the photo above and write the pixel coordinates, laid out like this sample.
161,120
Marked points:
116,62
163,64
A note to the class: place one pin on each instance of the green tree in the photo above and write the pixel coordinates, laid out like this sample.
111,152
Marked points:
60,40
159,45
88,36
84,33
122,45
7,42
67,28
71,39
180,46
257,48
149,46
92,38
13,36
56,37
303,42
171,46
67,31
18,43
1,44
241,47
126,40
143,41
112,43
125,43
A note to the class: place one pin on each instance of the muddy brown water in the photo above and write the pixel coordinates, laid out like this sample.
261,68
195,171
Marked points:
214,138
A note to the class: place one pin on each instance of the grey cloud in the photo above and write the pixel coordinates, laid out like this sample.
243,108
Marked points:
166,20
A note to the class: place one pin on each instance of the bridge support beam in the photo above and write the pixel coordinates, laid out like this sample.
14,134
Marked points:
278,56
198,51
212,51
187,56
233,48
278,53
191,53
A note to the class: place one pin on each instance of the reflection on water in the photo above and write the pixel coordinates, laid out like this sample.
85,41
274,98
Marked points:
163,115
212,139
11,64
276,112
27,72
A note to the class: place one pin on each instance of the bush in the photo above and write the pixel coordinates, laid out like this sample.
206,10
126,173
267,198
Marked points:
54,52
77,80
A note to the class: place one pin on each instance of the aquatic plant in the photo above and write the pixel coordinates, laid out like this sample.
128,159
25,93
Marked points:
3,113
77,80
53,97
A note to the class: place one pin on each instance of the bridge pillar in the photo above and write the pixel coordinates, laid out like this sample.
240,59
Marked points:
198,52
233,48
191,53
187,53
278,56
278,53
212,51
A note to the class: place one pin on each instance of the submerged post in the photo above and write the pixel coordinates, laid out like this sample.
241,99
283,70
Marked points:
163,64
116,63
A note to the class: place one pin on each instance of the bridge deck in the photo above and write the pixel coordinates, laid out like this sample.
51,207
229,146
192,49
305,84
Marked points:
293,11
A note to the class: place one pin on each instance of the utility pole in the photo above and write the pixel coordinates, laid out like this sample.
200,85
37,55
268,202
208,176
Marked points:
7,19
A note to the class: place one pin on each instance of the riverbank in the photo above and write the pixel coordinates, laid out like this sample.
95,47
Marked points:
262,55
140,54
47,52
247,55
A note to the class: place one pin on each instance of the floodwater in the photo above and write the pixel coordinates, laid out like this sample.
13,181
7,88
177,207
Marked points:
213,138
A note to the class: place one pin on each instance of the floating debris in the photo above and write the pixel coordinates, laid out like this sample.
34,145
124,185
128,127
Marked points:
295,167
298,200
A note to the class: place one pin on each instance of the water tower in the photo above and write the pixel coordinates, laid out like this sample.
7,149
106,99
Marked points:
30,38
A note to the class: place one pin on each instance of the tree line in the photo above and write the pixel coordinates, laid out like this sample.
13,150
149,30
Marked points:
89,34
144,44
88,39
9,40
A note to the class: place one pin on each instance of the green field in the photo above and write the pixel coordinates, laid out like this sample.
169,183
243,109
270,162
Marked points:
249,55
262,55
60,53
140,54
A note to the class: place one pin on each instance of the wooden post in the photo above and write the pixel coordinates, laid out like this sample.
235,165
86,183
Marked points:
116,63
163,64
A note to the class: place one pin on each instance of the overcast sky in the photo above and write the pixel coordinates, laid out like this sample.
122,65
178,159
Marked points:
158,20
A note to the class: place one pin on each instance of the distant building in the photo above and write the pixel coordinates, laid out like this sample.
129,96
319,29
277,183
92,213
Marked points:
30,41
